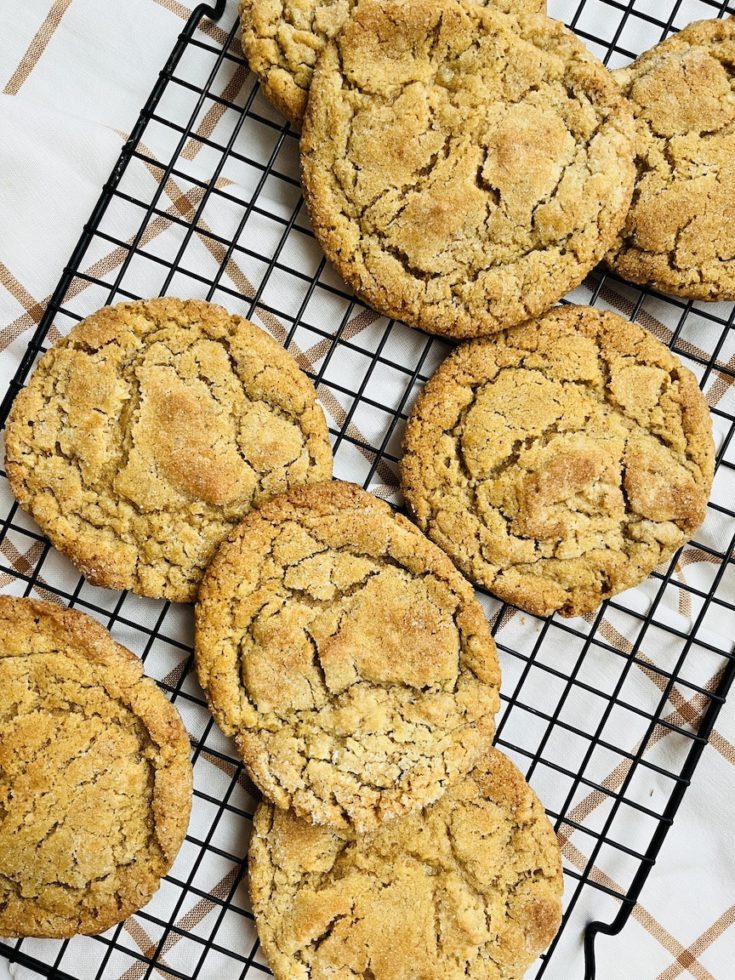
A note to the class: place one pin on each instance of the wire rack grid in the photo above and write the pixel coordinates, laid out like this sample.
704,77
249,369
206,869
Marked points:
607,716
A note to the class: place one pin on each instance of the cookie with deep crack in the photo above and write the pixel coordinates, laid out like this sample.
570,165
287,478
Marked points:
347,657
679,236
145,435
95,776
463,168
470,886
559,462
282,40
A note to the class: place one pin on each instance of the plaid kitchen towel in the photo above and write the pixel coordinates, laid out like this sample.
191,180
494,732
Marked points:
73,75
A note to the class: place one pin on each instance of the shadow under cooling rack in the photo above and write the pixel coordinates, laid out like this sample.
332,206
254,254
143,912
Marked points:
607,715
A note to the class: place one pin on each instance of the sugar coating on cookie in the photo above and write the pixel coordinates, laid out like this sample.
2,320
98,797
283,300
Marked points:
463,168
282,40
558,463
680,233
95,776
349,659
146,434
470,886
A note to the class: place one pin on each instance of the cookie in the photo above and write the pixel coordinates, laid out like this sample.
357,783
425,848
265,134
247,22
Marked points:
469,887
558,463
680,233
282,40
95,777
347,657
145,435
463,168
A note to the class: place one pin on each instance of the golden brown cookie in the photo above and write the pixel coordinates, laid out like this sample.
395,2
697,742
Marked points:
558,463
282,40
146,434
463,168
346,655
95,777
680,233
469,887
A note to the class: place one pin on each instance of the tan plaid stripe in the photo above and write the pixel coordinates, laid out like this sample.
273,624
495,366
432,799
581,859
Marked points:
18,291
32,310
723,746
187,921
686,958
25,564
684,598
692,554
363,320
216,111
578,860
669,942
37,46
21,562
184,12
721,385
147,947
616,639
614,780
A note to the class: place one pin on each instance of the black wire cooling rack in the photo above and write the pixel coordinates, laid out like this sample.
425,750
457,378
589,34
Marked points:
205,201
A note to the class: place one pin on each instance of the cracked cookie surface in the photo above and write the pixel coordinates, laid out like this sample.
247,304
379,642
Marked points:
470,886
558,463
463,168
680,232
282,40
349,659
146,434
95,777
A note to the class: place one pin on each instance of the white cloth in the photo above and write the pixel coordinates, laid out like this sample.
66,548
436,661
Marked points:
74,75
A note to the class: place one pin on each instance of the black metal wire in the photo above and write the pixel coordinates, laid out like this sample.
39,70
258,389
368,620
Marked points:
525,664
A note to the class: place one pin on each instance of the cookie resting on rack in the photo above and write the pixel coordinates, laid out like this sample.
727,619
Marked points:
95,775
679,236
468,887
145,435
560,462
463,168
346,655
282,40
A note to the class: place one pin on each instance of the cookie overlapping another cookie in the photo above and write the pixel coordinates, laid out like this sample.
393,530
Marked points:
150,430
347,657
463,168
282,40
469,886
